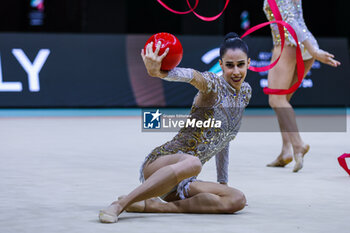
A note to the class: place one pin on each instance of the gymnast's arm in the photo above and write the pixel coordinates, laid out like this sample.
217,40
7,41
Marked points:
153,63
290,17
320,55
222,161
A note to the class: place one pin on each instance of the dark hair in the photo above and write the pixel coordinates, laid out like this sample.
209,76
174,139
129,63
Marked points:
232,41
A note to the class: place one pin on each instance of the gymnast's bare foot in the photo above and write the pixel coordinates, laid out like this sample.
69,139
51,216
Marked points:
110,214
283,159
140,206
299,158
134,207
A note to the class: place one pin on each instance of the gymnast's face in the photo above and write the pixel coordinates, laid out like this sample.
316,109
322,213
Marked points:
234,64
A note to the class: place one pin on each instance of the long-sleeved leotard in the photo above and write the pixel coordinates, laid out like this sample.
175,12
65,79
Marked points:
292,13
222,161
219,101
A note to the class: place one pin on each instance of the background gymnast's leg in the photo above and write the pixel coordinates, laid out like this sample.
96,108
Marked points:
281,77
286,155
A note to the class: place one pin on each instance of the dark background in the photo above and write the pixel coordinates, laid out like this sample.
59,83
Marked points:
99,70
85,34
324,18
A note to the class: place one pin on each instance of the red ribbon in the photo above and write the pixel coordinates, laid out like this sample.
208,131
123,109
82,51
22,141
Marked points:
180,12
192,10
300,63
281,24
299,57
342,162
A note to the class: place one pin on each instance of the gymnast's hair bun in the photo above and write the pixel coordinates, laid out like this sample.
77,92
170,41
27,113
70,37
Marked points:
231,35
233,41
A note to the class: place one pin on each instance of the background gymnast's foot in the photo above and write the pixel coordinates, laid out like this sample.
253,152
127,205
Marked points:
284,158
281,161
299,158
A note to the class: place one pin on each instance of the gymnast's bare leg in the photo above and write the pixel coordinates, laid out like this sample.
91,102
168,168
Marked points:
203,198
286,155
283,76
162,175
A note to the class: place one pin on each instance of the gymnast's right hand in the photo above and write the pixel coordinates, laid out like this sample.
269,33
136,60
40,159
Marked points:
153,61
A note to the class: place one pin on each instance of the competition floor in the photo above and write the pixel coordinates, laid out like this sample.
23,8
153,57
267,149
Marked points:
59,167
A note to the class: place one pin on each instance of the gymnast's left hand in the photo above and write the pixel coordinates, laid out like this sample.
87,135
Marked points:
153,61
326,58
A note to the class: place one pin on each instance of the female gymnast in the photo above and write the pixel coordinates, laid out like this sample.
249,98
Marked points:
284,75
170,170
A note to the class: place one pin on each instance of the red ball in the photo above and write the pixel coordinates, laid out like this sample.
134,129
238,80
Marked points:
174,56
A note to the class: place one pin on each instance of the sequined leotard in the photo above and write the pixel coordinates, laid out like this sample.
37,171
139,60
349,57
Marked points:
292,13
221,102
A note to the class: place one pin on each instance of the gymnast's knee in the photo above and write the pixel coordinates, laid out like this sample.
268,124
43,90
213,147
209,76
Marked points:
189,167
191,164
277,101
235,203
194,165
